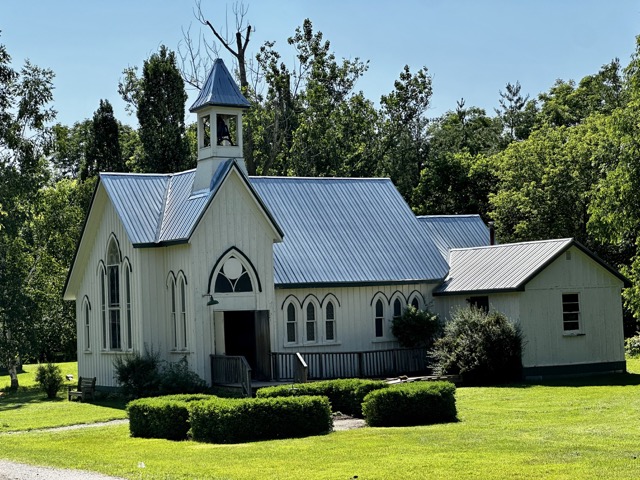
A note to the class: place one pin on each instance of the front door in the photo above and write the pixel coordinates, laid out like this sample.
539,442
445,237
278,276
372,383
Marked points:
246,333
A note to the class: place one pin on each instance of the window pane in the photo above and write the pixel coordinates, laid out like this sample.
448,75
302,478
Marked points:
415,304
569,298
330,312
311,331
243,284
397,308
114,287
311,312
114,328
329,333
379,309
379,323
291,313
223,285
568,326
127,284
291,332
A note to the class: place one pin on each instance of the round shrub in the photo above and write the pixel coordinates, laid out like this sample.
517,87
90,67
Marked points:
233,420
417,403
345,395
632,346
484,348
49,378
416,328
161,417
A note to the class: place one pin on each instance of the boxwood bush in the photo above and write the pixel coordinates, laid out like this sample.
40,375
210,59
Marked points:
226,420
161,417
417,403
346,395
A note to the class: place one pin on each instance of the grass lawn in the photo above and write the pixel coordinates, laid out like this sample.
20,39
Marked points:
29,409
578,429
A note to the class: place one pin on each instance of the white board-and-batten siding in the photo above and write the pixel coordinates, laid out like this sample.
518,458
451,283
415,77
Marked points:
538,312
103,224
234,224
354,309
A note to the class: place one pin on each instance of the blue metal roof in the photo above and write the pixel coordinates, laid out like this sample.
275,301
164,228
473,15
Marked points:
499,267
346,230
455,231
338,230
139,200
220,90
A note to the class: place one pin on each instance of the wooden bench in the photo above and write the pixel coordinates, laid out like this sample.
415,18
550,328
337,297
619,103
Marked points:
85,389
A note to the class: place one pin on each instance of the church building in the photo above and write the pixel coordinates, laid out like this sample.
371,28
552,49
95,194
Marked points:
238,272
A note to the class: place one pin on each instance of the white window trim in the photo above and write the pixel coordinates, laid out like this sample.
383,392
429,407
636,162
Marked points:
326,320
295,323
580,330
305,321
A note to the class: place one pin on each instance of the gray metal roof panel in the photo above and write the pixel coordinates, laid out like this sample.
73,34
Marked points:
220,89
346,230
455,231
139,201
499,267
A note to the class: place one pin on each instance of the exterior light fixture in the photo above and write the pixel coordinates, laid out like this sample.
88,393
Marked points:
211,301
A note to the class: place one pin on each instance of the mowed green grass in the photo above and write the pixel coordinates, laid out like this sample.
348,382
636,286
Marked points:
29,409
577,429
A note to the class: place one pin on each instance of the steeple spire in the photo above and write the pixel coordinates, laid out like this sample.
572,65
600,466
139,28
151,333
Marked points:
219,107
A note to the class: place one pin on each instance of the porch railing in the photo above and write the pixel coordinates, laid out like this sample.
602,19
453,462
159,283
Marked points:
231,371
374,363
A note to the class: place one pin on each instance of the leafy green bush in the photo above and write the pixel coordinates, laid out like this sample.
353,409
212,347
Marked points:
177,378
233,420
417,403
416,328
485,348
137,374
632,346
346,395
161,417
145,375
49,379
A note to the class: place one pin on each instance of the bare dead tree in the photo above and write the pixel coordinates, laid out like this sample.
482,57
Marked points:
196,58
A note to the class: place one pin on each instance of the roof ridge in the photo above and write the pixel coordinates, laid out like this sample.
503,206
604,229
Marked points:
278,177
530,242
165,201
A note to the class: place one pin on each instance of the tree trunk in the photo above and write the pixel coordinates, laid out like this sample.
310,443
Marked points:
13,374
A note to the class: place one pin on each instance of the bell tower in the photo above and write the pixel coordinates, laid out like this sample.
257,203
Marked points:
219,107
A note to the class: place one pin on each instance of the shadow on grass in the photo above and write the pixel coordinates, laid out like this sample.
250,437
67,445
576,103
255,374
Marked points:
12,400
598,380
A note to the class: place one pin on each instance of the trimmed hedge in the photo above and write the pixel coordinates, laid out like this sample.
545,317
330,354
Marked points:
225,420
417,403
162,417
346,395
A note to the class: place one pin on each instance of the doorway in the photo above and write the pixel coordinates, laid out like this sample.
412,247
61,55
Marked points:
246,333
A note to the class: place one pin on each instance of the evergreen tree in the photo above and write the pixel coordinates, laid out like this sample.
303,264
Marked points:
103,150
159,98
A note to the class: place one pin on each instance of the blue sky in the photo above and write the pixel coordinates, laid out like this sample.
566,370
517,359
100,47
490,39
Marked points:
471,48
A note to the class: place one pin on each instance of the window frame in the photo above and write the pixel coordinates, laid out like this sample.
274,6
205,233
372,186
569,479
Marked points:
86,311
311,325
114,297
330,321
290,311
182,289
568,312
379,318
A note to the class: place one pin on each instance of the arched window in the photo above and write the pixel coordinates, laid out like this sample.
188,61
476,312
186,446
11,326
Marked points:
379,319
103,308
233,277
329,323
292,326
183,312
173,319
415,303
113,295
127,293
397,308
87,318
311,323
